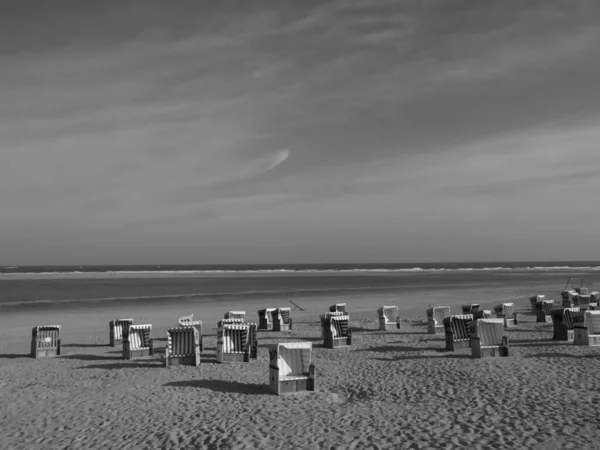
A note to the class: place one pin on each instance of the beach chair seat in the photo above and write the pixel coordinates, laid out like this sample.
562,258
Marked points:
563,323
236,342
536,302
116,330
435,318
338,307
265,319
188,321
137,341
458,330
388,318
489,340
291,368
45,341
235,315
544,313
282,319
470,308
336,330
183,346
506,311
588,332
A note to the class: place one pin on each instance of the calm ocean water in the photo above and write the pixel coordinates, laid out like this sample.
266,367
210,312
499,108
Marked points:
52,286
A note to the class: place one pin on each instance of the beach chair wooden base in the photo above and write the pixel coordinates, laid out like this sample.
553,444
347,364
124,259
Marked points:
563,334
139,353
37,352
496,351
336,342
115,342
293,386
265,327
282,326
581,337
185,361
434,329
233,357
389,326
509,323
453,345
542,317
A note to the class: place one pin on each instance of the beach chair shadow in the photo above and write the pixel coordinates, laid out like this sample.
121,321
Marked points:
86,357
85,345
223,386
392,348
558,355
127,365
14,355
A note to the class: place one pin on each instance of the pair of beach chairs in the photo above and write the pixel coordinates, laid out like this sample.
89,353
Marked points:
275,319
388,318
485,337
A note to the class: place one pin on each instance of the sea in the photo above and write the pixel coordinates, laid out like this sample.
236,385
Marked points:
39,287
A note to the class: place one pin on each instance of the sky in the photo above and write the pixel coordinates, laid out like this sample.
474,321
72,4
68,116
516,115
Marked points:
153,132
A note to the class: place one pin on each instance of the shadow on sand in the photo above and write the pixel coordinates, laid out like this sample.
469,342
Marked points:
222,386
85,345
87,357
558,355
127,365
14,356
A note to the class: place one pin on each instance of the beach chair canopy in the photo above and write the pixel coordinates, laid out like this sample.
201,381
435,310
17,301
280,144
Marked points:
235,315
438,314
294,359
592,322
389,313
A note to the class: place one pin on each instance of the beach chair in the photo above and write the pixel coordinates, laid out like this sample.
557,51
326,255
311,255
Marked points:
506,311
587,333
235,315
388,318
137,341
563,323
458,331
265,319
282,320
594,297
338,307
488,339
536,301
470,309
188,321
544,313
584,300
116,330
336,330
183,346
236,342
435,318
291,369
45,341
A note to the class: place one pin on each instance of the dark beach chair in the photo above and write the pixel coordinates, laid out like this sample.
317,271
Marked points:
536,301
458,330
338,307
563,323
544,313
45,341
282,319
265,319
470,308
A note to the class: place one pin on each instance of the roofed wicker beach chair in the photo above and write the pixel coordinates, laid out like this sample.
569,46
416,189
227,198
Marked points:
45,341
471,308
236,342
435,318
544,313
563,323
291,368
506,311
388,318
116,330
336,330
584,300
572,299
488,339
137,341
338,307
235,315
458,331
536,301
587,333
265,319
282,319
188,321
183,346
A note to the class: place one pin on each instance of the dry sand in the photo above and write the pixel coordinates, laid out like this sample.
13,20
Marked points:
389,390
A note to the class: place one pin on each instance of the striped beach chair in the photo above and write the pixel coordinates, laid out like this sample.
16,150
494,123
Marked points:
45,341
544,313
183,346
536,302
282,319
291,368
336,330
458,331
587,333
235,315
188,321
338,307
115,328
488,339
435,318
388,318
470,308
137,341
265,319
506,311
563,323
236,342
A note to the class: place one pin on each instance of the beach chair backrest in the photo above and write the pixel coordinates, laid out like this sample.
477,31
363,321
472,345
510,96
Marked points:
490,331
575,318
119,325
235,337
182,341
592,322
284,315
440,313
267,314
460,325
294,358
547,306
138,336
47,336
390,313
339,325
185,320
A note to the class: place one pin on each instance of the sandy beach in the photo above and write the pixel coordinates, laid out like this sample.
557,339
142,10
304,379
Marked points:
389,389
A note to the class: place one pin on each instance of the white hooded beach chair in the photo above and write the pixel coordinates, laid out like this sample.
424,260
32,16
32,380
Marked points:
45,341
506,311
562,321
588,333
388,318
489,339
188,321
338,307
291,368
536,302
116,330
265,319
236,342
336,331
137,341
282,319
458,331
435,318
183,346
544,313
235,315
